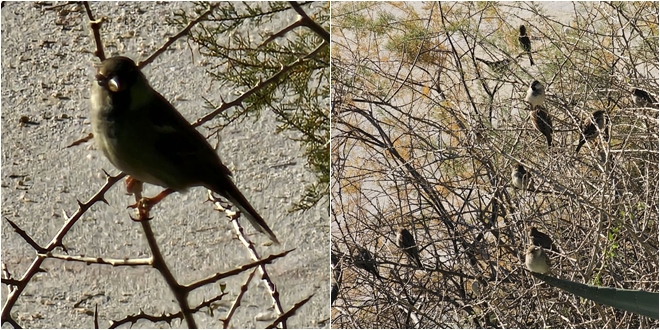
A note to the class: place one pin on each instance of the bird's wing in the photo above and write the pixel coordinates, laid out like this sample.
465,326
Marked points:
180,143
407,239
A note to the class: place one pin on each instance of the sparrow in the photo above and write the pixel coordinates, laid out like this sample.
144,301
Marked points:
543,240
334,293
536,260
477,286
334,259
535,94
498,67
520,178
336,264
590,130
642,98
542,121
525,43
143,135
406,243
366,261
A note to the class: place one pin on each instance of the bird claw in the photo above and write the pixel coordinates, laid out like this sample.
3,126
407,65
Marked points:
143,207
144,204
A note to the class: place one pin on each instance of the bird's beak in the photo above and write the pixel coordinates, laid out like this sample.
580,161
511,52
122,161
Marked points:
114,85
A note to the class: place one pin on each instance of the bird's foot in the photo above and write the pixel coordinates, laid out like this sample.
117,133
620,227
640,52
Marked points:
143,207
144,204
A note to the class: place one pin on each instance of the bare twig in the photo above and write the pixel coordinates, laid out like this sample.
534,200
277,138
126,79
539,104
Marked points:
98,260
181,33
35,267
310,23
26,237
282,318
272,289
180,292
96,31
218,276
165,317
237,300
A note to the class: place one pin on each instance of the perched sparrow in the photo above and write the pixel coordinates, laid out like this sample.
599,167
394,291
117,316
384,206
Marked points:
337,264
535,94
478,285
590,130
520,178
334,293
525,43
542,121
142,134
536,260
406,243
642,98
542,240
365,261
334,259
500,66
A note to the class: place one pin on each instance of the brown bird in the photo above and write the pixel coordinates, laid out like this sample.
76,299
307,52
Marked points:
366,261
500,66
542,121
642,98
520,178
142,134
542,239
536,260
525,43
591,128
406,243
478,285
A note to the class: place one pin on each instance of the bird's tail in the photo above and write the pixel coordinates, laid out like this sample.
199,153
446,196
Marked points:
531,61
582,142
419,263
229,191
483,61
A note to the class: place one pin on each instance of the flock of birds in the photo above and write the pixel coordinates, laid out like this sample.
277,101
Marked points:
536,259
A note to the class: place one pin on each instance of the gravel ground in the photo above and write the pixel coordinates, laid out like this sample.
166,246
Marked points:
46,74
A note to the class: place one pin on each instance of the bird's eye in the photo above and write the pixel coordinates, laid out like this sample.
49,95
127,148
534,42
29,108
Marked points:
100,79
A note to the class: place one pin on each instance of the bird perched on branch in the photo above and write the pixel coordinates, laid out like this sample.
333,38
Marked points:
591,127
337,260
520,178
535,94
407,243
525,43
542,239
642,98
542,121
364,260
142,134
500,66
536,260
334,293
478,285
